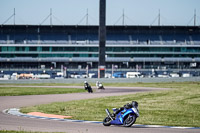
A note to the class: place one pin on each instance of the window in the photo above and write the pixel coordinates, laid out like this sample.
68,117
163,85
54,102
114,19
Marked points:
45,48
32,48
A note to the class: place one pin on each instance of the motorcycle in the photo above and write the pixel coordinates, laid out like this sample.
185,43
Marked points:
100,86
88,87
126,117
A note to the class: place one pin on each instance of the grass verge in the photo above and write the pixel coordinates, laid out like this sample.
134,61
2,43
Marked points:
44,84
175,107
18,91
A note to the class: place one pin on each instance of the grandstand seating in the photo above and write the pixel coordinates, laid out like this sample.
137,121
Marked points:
78,45
85,36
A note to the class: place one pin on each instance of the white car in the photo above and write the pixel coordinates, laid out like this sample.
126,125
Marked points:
42,76
133,74
185,75
174,75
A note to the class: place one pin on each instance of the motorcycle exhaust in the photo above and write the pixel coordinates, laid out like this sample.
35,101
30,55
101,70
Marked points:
109,115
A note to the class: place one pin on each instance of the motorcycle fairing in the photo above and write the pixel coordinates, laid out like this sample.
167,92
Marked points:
121,115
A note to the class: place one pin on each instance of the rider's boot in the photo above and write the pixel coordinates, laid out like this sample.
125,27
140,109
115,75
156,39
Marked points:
113,115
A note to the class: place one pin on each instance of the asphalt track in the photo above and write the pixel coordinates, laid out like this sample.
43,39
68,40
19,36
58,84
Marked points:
10,122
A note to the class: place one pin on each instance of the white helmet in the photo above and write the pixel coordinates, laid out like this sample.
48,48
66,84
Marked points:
85,82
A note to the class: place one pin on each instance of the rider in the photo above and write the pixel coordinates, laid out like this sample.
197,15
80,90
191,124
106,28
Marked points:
99,85
127,106
87,87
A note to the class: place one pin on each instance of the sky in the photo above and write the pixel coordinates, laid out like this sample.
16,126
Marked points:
73,12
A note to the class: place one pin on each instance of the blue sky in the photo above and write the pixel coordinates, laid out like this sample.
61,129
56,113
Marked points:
71,12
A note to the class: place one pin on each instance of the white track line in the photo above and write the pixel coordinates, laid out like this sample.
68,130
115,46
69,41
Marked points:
16,112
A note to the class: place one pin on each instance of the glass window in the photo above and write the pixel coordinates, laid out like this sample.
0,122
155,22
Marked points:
20,48
32,48
85,49
177,49
143,49
45,48
57,49
70,49
4,49
193,49
11,49
93,49
183,49
109,49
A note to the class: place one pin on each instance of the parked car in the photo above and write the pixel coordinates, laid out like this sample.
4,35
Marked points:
14,76
94,76
84,75
119,75
75,75
133,74
26,76
185,75
43,76
163,75
91,75
4,77
57,75
174,75
108,75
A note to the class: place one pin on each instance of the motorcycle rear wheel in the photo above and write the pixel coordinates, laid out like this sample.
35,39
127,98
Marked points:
129,121
106,121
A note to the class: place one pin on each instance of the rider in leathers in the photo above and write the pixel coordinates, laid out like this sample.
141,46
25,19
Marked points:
88,87
127,106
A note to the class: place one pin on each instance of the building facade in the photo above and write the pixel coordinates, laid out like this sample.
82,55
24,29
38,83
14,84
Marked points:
76,47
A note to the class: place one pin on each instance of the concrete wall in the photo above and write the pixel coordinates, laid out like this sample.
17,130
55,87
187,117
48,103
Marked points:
132,80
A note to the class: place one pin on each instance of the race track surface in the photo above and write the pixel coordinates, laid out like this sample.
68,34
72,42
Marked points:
10,122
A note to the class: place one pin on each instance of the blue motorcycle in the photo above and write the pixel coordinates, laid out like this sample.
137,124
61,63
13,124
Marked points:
126,116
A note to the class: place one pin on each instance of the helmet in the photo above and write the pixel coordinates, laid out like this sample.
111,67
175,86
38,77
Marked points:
85,82
127,106
134,104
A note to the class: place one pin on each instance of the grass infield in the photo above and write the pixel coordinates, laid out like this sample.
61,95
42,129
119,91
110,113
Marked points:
175,107
18,91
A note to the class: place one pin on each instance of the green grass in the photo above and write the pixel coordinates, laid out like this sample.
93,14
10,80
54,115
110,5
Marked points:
45,84
118,84
174,107
18,91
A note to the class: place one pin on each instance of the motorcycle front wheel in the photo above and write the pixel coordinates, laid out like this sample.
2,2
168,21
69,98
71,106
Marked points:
106,121
129,121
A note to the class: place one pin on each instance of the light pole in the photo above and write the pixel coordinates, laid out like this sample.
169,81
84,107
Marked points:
102,38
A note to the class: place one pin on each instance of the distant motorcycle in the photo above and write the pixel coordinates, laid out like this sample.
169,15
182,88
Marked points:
99,85
126,117
88,87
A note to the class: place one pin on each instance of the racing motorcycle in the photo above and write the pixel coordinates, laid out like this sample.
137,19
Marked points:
125,117
99,85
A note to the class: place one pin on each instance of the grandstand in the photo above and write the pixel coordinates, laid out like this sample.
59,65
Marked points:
76,47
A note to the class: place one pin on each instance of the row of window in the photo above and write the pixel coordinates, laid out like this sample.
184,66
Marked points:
96,55
88,36
95,49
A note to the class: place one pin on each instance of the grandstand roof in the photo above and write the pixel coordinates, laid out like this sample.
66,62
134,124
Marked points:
108,26
94,29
